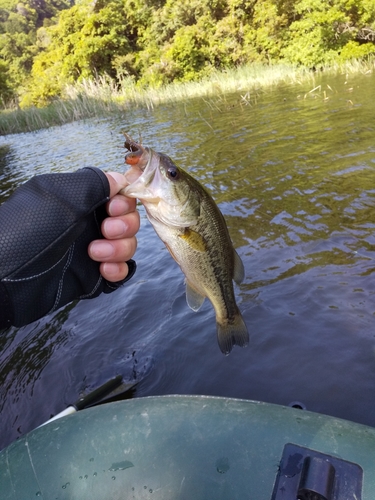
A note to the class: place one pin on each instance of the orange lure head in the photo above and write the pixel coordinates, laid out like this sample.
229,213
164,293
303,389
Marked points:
135,151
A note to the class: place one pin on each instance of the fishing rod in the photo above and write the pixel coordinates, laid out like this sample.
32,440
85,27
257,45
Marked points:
113,388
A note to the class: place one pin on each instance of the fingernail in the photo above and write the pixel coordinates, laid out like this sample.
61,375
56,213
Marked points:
110,269
102,250
114,228
118,206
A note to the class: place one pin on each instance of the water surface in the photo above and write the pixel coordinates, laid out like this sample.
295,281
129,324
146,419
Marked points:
293,172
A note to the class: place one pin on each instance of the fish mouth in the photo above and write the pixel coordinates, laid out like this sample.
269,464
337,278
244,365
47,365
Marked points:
144,163
136,155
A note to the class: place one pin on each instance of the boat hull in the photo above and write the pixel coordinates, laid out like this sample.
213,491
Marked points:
172,447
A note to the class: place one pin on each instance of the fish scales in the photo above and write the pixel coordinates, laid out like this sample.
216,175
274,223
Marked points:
190,224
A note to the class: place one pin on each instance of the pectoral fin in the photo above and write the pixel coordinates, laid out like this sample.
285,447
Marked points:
239,270
193,239
193,298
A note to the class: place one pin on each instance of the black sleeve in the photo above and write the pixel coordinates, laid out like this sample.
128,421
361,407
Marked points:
45,229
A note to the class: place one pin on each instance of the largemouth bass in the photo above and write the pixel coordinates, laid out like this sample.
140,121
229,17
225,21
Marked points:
193,229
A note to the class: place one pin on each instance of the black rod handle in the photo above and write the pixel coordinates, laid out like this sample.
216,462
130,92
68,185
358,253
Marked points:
98,393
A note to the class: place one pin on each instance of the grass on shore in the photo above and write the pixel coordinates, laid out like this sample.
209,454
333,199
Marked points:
100,98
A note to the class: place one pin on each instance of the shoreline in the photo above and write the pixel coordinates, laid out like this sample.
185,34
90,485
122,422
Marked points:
103,98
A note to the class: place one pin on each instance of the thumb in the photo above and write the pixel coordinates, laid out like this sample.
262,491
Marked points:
116,181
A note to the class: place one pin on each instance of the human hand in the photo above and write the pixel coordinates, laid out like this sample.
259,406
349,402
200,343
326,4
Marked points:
119,230
47,226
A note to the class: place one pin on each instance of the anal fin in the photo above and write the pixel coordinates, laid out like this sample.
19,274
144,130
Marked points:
193,298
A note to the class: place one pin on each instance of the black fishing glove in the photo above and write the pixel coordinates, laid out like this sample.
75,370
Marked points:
45,229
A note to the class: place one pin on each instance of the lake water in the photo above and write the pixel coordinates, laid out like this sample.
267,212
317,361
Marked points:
293,171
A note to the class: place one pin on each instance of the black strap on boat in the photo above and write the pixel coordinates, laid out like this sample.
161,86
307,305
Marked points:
305,474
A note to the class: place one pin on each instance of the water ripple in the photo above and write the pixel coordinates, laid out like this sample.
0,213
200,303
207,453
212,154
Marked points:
294,179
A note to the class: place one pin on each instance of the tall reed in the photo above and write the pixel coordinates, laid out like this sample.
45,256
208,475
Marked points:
103,97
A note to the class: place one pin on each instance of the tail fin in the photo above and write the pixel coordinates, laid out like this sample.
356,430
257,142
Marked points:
232,332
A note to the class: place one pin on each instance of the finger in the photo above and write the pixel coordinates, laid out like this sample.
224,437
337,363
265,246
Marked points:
112,250
116,181
121,205
125,226
114,271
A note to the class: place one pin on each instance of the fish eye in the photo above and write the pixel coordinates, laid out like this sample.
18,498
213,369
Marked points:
172,173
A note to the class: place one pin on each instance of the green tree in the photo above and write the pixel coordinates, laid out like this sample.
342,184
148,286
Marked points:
19,22
89,40
49,43
176,43
324,30
6,91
